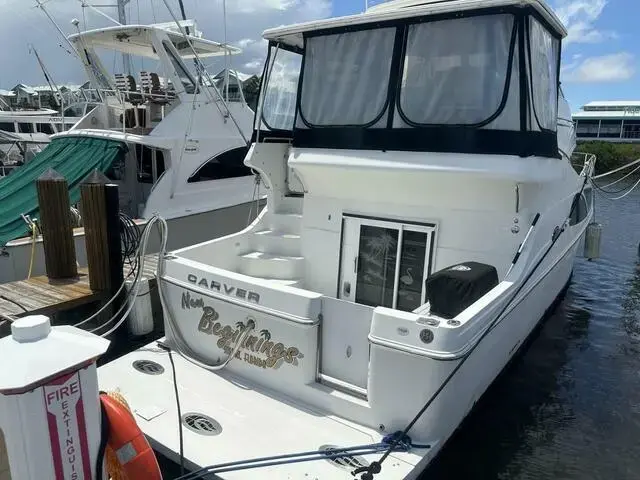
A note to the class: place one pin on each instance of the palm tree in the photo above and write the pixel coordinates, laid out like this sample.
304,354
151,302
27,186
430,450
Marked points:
240,325
265,334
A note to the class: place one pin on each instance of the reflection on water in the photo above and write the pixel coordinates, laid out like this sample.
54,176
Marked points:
569,406
631,306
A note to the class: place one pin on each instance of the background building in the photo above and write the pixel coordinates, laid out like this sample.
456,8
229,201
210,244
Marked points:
615,121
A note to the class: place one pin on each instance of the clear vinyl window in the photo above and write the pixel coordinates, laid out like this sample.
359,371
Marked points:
543,60
185,77
346,77
281,92
455,71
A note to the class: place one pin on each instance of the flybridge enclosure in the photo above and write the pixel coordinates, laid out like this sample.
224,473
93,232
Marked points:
158,42
463,76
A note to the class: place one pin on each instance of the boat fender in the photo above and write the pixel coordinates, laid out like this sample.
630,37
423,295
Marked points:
128,453
593,236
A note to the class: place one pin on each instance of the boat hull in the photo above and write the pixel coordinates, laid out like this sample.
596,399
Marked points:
492,355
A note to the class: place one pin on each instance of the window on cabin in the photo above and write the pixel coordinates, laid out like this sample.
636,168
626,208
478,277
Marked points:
543,59
117,170
185,77
147,171
74,111
229,164
281,92
160,167
25,127
579,209
45,128
456,74
92,61
7,126
346,78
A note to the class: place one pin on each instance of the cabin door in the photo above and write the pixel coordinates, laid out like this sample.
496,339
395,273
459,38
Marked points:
385,263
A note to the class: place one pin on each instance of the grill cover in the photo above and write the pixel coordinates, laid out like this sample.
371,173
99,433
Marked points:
454,288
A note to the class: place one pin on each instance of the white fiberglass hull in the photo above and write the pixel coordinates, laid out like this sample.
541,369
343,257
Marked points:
236,402
495,351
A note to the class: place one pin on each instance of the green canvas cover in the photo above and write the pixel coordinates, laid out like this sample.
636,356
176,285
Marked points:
72,157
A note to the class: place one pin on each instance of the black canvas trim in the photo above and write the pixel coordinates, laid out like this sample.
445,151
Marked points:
443,139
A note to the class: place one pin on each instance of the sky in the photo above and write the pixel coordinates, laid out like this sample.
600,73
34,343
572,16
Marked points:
600,54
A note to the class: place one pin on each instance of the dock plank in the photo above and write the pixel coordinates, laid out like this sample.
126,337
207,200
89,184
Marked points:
43,295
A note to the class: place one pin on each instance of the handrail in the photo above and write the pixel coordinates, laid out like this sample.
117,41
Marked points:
588,163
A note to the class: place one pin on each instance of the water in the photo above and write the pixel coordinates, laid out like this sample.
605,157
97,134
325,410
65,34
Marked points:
568,407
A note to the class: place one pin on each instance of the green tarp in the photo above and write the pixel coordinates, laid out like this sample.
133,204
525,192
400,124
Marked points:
72,157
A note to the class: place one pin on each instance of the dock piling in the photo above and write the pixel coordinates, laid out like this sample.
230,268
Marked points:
55,225
100,211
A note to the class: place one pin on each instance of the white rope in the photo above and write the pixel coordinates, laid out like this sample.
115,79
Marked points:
635,162
182,346
628,192
135,288
133,291
622,178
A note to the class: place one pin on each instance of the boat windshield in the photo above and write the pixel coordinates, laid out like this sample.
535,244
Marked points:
453,72
280,94
97,70
460,78
424,84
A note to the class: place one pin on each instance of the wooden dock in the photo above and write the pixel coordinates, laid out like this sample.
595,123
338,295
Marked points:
42,295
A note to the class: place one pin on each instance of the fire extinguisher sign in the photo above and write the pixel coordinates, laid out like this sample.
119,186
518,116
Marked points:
67,432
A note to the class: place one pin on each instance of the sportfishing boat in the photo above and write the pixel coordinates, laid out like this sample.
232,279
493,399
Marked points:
174,148
422,215
40,124
24,133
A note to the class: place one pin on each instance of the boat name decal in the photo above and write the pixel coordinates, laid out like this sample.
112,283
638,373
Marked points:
230,290
258,350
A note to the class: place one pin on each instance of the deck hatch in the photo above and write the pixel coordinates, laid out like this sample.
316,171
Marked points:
201,424
148,367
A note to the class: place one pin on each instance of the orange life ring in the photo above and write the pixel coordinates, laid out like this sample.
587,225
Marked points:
129,446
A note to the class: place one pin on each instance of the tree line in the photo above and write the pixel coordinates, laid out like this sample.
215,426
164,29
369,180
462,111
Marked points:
610,155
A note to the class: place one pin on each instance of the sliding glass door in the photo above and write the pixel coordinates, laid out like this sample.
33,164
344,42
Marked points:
384,263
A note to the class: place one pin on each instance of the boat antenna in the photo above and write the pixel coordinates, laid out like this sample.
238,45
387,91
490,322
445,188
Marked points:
51,82
40,5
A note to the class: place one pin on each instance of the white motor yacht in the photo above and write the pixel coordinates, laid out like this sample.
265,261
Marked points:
422,215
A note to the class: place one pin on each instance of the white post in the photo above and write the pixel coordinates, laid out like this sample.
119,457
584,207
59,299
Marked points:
49,404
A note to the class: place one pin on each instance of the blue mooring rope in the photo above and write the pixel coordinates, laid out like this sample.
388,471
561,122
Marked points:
404,444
